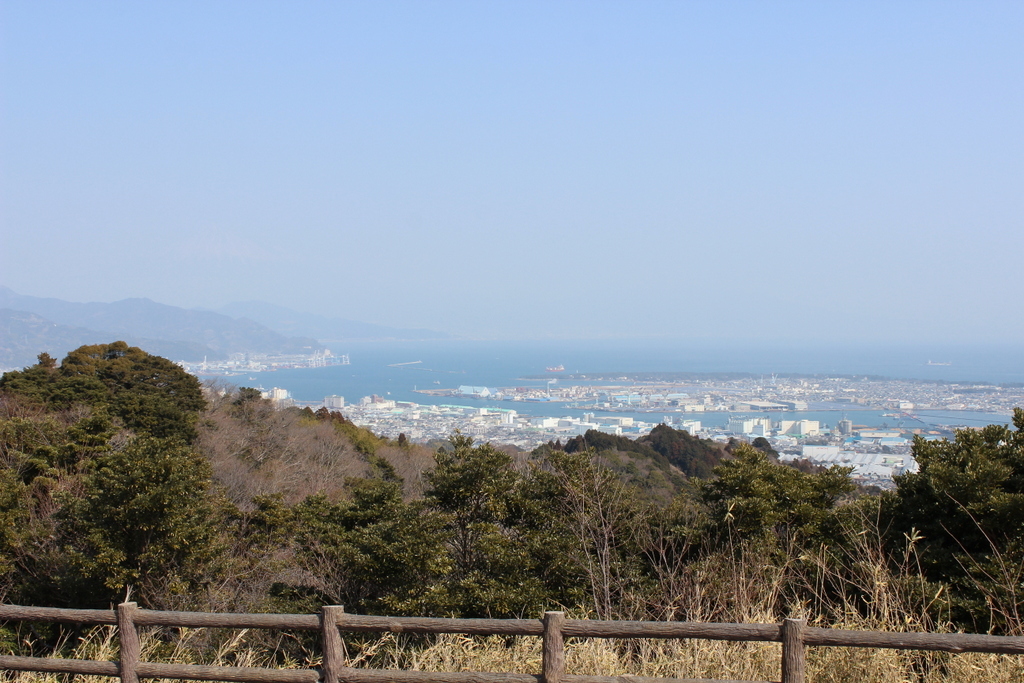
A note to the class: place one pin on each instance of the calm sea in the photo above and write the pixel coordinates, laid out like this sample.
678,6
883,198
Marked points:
377,368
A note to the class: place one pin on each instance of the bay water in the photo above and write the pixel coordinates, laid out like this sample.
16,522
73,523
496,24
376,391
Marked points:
395,369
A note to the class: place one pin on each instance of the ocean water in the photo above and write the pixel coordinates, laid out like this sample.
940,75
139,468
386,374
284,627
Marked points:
391,369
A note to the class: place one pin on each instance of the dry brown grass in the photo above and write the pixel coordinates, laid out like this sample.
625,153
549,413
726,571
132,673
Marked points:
699,659
101,644
864,593
647,657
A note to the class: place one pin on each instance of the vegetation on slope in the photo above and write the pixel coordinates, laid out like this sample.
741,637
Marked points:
117,473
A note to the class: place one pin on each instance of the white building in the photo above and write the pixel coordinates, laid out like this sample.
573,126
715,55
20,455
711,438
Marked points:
825,453
800,427
334,401
755,426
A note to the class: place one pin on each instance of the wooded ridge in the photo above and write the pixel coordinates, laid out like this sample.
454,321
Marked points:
119,471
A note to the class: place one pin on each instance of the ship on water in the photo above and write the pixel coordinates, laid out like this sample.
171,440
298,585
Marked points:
556,368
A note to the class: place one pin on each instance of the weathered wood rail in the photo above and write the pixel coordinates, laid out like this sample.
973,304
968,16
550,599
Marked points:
794,635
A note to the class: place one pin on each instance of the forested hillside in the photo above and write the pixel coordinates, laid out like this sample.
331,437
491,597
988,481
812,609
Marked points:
119,472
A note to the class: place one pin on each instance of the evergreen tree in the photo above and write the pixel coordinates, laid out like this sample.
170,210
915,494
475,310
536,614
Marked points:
758,498
145,520
964,513
145,393
481,498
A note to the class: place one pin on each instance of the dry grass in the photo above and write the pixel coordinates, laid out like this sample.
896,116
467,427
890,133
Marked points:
600,657
865,594
699,659
648,657
101,644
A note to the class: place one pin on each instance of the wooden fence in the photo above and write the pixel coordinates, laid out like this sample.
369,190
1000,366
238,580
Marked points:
794,635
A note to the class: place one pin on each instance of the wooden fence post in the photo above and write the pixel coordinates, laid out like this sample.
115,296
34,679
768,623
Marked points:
793,651
554,647
131,646
333,647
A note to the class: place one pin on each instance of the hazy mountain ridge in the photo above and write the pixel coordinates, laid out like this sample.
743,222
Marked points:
33,324
24,335
290,322
30,324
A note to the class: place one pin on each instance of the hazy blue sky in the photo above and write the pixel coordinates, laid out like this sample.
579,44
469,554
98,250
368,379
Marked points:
830,170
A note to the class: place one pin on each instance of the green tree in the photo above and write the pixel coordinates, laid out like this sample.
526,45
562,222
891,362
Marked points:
145,520
374,553
964,511
765,446
146,393
14,524
695,457
480,495
757,498
42,460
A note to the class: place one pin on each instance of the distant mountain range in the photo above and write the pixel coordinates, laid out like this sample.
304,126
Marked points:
30,325
24,335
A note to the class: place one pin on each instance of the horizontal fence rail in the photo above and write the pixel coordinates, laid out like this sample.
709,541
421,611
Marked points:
794,635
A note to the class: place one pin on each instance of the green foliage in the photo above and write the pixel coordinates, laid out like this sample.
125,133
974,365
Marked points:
637,462
146,393
247,395
145,520
95,473
764,445
474,489
695,457
596,442
362,439
506,532
374,553
44,447
14,522
964,510
41,460
756,497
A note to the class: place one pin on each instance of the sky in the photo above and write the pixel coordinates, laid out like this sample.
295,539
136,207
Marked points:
692,170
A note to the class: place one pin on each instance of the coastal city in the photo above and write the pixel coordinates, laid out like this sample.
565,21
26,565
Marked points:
659,392
777,408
